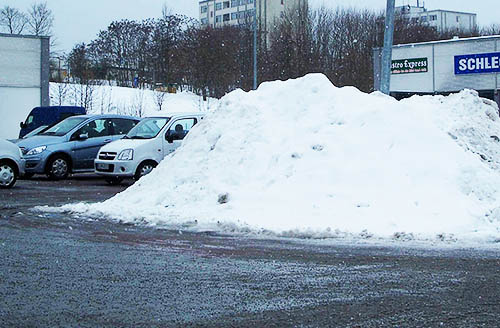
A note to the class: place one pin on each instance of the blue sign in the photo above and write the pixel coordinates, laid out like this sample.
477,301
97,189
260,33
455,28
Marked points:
477,64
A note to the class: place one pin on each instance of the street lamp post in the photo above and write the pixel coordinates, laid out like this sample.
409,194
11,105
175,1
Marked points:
255,46
385,85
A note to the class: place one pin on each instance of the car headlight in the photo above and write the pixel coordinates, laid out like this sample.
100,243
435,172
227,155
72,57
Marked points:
126,155
36,151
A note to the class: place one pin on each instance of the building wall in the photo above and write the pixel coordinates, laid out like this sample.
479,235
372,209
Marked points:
441,19
241,12
441,76
24,79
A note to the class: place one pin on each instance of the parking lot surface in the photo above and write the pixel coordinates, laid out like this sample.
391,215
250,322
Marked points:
57,270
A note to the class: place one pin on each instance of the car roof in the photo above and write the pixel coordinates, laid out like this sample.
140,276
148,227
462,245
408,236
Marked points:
176,114
108,116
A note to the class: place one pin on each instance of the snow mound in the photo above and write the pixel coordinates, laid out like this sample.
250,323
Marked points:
304,158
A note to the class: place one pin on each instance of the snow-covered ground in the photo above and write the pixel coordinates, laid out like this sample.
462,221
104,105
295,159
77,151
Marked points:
304,158
105,99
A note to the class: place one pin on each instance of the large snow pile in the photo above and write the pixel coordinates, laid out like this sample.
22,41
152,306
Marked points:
304,158
109,99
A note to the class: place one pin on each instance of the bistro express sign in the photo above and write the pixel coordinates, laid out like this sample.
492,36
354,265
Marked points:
413,65
477,64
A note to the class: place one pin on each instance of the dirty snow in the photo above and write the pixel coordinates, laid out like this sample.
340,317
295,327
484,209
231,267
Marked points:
304,158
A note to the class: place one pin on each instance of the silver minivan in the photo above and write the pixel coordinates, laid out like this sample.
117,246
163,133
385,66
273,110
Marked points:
140,151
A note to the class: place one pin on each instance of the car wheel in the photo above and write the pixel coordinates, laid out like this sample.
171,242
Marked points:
8,175
58,168
144,169
114,181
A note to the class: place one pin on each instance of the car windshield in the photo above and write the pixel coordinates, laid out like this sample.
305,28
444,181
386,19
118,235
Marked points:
148,128
64,127
35,131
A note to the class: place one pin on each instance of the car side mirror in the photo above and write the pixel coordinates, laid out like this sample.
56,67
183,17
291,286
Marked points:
169,137
22,125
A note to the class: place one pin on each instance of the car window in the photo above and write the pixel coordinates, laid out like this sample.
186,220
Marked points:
96,128
64,127
148,128
122,125
180,128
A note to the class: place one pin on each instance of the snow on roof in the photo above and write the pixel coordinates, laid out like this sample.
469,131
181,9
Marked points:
304,158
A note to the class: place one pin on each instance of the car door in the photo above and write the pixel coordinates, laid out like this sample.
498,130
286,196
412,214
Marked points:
96,134
176,133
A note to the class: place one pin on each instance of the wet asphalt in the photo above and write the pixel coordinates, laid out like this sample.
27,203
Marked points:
63,271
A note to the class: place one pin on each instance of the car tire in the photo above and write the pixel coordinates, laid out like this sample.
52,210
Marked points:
144,169
114,181
8,175
58,168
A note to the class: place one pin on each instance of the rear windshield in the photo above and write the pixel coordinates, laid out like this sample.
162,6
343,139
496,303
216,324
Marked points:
148,128
64,127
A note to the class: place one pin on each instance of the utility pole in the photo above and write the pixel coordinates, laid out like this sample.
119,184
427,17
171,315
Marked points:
255,46
385,83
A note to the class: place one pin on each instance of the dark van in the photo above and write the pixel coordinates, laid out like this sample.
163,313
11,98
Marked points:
44,116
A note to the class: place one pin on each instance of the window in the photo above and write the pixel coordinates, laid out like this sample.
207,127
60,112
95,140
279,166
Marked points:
225,18
234,16
250,13
282,2
235,3
180,128
95,129
204,9
218,6
211,14
424,18
242,15
433,17
204,21
282,14
458,19
218,18
122,125
249,1
225,4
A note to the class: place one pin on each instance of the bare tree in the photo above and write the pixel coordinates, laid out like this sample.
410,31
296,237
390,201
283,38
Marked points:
159,98
137,106
12,20
40,19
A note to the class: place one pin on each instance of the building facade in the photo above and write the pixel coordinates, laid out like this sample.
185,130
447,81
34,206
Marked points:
442,67
442,20
217,13
24,79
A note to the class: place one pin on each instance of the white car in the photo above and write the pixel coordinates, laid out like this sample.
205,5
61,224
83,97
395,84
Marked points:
140,151
11,164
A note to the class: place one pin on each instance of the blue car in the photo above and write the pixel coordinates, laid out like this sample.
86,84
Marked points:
40,116
71,145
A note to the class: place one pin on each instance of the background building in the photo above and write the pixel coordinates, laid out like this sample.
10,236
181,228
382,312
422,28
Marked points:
24,79
217,13
442,67
442,20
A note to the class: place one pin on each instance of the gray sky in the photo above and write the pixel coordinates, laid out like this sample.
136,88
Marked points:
80,21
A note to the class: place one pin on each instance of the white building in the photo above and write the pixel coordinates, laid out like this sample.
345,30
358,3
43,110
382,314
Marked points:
442,67
24,79
217,13
442,20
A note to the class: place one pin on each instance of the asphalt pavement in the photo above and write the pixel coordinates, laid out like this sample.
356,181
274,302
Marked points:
62,271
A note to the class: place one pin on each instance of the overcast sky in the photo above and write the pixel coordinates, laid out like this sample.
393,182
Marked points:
81,20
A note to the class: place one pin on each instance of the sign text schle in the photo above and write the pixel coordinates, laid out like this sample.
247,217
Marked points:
477,64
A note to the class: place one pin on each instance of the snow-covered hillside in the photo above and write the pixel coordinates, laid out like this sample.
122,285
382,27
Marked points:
304,158
104,99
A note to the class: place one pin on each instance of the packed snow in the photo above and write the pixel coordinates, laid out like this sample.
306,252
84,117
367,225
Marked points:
305,158
110,99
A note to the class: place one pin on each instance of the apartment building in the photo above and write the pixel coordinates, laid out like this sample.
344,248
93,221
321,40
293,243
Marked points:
442,20
217,13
